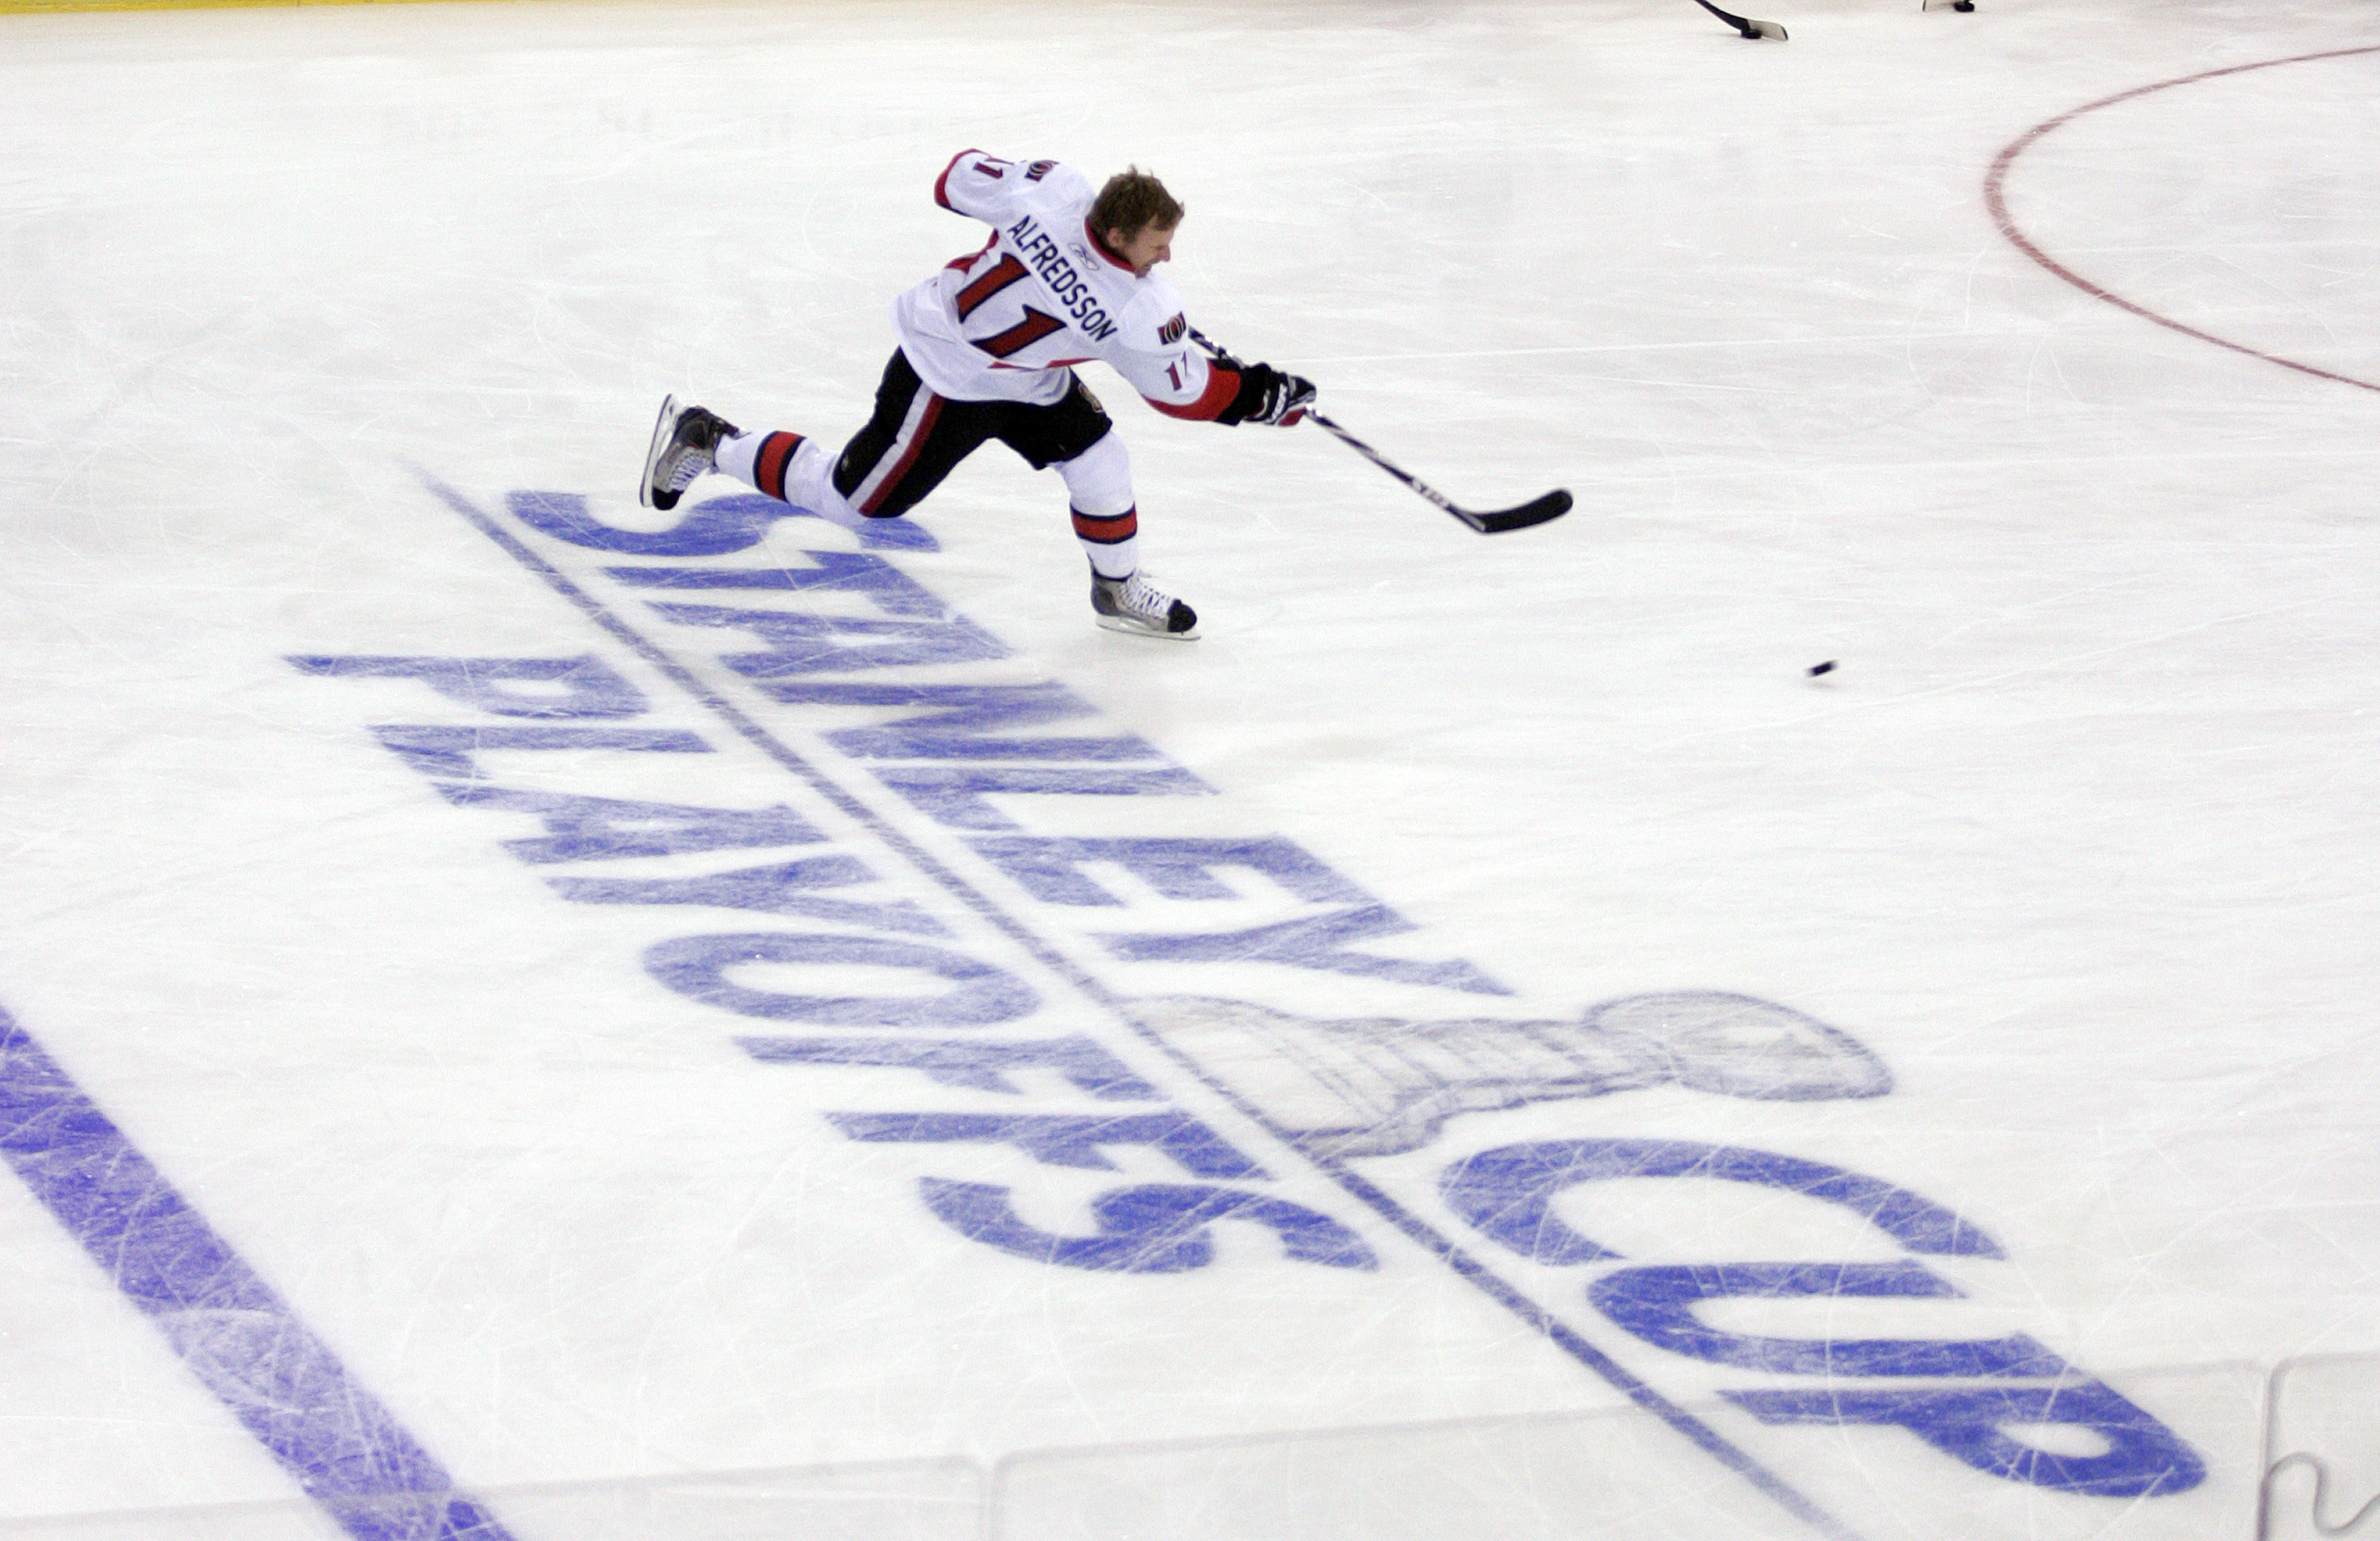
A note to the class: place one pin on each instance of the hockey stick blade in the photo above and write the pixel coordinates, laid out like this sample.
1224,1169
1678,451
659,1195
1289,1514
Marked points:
1745,26
1536,511
1553,506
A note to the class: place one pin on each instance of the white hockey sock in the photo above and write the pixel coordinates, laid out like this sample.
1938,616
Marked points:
1106,522
735,457
791,467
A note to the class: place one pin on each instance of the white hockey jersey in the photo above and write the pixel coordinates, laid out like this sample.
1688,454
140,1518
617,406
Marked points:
1002,324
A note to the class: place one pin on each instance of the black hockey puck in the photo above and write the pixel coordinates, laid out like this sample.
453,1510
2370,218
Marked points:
1825,668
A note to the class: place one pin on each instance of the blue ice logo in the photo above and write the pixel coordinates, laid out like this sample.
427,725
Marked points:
862,675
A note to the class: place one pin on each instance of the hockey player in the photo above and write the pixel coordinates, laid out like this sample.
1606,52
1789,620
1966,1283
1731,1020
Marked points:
987,350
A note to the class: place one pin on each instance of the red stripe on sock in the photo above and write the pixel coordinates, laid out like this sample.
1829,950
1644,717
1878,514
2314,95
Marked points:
1109,531
776,454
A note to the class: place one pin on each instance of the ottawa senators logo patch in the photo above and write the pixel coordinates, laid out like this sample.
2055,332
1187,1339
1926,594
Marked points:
1039,169
1173,331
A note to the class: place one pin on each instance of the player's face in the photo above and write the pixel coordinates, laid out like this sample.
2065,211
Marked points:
1145,250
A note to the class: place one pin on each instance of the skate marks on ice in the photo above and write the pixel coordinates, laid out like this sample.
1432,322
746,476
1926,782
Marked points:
1360,1087
2321,1462
228,1327
1063,898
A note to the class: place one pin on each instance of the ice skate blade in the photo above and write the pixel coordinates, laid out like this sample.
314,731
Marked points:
1134,628
665,427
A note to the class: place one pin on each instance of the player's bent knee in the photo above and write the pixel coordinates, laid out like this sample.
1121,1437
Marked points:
1098,481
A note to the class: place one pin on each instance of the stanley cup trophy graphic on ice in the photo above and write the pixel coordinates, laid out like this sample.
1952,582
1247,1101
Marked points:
1379,1086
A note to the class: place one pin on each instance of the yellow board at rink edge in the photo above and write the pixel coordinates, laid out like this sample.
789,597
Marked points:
22,7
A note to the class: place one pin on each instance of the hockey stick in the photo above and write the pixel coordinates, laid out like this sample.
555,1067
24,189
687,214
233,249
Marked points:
1753,29
1536,511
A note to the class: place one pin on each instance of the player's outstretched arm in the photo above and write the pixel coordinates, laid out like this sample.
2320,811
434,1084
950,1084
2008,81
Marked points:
1226,391
1269,395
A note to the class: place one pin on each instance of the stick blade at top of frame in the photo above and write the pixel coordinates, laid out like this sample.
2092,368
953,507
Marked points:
1536,511
1745,26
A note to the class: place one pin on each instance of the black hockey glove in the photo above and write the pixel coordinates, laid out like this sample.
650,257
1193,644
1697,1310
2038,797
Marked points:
1266,396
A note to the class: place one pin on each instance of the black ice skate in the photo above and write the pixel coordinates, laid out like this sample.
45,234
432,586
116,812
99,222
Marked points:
685,438
1135,605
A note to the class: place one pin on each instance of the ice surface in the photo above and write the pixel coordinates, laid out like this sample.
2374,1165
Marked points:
844,1159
